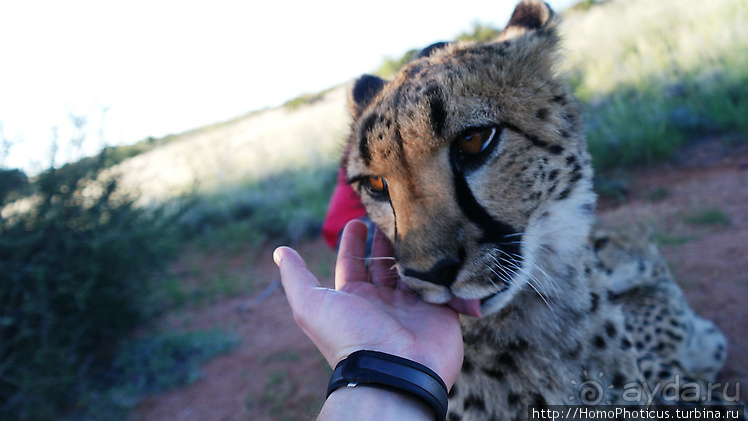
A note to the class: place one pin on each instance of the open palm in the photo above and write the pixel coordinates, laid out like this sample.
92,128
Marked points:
366,310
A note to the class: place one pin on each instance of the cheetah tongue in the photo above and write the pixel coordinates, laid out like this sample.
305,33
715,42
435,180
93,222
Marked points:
469,307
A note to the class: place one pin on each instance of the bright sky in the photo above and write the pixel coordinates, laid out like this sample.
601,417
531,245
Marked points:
161,67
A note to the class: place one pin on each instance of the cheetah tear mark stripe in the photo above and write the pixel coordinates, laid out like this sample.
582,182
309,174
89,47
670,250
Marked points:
494,232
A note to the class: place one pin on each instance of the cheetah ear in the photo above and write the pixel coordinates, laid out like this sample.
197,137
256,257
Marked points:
363,91
528,16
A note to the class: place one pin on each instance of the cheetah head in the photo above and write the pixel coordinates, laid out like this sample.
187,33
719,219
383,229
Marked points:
473,163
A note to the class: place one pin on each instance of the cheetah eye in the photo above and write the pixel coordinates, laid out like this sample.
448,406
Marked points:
601,242
476,141
377,186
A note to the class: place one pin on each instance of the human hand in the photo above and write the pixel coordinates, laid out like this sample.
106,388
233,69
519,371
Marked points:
366,310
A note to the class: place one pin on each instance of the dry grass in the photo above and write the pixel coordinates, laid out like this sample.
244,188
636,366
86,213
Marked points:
242,151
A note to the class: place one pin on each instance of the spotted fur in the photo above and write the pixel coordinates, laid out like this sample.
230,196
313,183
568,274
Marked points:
658,320
508,225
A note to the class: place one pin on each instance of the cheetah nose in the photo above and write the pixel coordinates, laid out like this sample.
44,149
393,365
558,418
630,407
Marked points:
443,273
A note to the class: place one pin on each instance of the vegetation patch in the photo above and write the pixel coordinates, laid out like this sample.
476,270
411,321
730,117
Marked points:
75,266
167,360
149,365
285,207
708,217
666,239
654,76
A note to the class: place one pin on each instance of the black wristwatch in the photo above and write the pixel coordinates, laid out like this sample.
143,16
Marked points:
389,372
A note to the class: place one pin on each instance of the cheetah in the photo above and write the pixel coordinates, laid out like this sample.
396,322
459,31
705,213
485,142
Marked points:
473,162
663,331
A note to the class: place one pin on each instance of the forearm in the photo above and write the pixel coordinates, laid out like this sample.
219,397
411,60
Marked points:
370,403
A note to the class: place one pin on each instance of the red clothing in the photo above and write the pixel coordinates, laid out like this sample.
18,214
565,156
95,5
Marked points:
345,205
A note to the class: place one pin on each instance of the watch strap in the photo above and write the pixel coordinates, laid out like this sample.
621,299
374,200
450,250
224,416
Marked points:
390,372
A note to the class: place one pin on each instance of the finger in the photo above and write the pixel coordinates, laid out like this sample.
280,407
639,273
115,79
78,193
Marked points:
304,295
296,278
351,264
382,261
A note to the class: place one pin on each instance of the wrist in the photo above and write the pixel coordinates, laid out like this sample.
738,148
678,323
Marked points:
370,403
372,369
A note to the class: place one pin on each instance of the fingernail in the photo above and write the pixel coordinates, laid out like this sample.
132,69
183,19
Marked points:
277,256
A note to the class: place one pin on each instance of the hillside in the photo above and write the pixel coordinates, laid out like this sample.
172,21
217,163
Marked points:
242,150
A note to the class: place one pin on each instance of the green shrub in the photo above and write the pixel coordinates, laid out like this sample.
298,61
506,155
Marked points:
391,66
75,270
480,32
13,184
